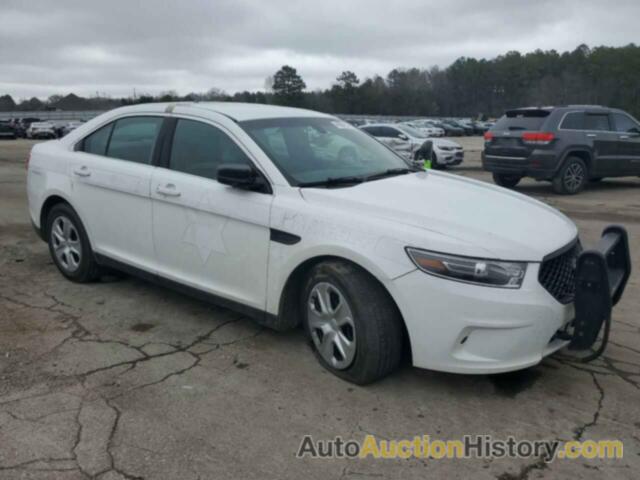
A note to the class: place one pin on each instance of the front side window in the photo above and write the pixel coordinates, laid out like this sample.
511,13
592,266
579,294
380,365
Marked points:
308,150
625,124
134,138
199,149
597,121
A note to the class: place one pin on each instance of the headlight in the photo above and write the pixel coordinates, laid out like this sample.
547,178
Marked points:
446,149
479,271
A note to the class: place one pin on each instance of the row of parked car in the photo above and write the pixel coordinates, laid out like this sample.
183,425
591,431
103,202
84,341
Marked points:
441,127
36,129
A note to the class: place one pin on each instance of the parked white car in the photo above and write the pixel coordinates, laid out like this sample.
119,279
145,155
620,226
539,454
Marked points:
70,127
426,127
296,217
410,143
41,130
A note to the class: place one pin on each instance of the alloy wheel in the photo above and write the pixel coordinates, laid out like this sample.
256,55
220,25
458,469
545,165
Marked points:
331,325
574,177
66,243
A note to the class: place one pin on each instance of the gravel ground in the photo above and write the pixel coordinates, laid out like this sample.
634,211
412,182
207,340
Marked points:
123,379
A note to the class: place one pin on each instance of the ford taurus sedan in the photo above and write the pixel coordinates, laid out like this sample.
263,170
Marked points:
294,217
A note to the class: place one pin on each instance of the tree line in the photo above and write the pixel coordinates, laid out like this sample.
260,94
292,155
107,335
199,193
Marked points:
468,87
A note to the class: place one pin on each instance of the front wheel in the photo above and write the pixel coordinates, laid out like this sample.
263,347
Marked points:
571,178
506,180
354,327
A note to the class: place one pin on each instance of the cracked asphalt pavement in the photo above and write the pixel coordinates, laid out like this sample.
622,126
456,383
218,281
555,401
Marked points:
121,379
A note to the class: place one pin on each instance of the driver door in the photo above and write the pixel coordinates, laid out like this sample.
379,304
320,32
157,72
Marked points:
209,236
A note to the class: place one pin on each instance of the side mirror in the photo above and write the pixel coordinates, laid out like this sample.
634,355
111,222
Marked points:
402,136
239,175
634,131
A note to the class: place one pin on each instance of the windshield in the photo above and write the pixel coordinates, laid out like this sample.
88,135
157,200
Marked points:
412,131
308,150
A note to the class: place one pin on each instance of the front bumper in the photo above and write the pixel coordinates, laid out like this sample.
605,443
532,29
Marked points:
463,328
449,157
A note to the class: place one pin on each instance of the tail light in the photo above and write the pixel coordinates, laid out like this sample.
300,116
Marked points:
538,138
488,136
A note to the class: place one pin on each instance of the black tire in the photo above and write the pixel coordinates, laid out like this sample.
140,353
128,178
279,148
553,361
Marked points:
377,324
87,269
506,180
434,162
572,177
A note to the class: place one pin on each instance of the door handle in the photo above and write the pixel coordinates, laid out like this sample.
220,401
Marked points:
591,135
169,190
82,171
624,137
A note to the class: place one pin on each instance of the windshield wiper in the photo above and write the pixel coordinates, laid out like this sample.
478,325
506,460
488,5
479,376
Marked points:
330,182
391,172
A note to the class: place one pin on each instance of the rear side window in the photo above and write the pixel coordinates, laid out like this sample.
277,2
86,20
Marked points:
199,149
133,139
530,120
597,121
625,124
573,121
96,143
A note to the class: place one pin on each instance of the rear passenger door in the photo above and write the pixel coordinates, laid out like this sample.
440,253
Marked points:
207,235
628,151
604,142
111,175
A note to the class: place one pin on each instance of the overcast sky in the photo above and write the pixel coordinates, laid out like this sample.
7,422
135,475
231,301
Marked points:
112,46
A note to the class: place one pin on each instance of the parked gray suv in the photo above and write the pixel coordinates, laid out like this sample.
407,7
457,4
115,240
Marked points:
568,146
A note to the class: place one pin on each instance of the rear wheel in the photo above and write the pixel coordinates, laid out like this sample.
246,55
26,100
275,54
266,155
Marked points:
69,245
506,180
572,177
354,327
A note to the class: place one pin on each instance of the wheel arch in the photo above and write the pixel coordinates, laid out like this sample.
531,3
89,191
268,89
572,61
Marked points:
582,153
53,199
289,314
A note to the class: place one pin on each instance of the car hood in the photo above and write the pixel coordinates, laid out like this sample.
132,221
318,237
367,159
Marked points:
453,214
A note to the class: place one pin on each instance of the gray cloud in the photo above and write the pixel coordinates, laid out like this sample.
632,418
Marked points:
86,47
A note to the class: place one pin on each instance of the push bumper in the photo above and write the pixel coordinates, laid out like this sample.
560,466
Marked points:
601,277
463,328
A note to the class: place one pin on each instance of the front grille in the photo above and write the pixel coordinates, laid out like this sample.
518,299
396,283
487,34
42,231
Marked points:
557,274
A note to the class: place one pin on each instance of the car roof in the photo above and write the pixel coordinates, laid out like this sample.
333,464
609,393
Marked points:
381,125
237,111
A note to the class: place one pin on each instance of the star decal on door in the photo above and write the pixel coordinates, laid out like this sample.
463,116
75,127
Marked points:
205,229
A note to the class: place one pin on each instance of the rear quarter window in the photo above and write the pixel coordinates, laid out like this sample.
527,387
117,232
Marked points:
573,121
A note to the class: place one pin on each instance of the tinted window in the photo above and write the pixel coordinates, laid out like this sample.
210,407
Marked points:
530,120
199,149
389,132
96,143
375,131
596,121
573,121
133,139
624,123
